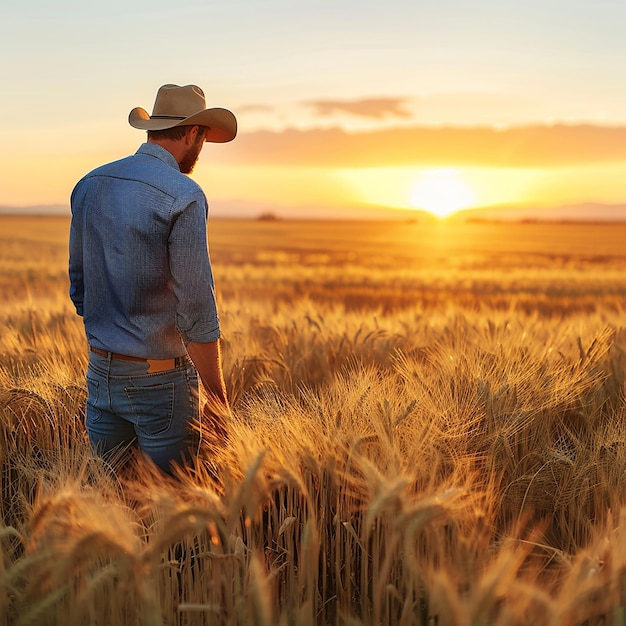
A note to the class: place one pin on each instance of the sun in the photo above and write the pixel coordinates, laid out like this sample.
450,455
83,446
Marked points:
441,192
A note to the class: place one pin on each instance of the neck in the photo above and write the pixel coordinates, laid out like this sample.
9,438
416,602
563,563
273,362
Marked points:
176,148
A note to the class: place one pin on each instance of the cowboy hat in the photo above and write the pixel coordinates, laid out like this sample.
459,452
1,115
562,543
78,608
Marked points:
185,106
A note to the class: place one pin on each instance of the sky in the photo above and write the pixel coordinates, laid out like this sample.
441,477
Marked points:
341,105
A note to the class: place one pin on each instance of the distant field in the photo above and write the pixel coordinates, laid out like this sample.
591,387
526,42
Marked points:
379,265
392,264
429,427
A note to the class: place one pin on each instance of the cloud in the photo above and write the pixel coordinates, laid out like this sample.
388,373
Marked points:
522,146
255,108
374,108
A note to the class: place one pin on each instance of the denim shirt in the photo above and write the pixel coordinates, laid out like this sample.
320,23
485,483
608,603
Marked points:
139,267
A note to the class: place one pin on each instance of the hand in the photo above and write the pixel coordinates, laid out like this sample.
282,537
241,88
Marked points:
215,418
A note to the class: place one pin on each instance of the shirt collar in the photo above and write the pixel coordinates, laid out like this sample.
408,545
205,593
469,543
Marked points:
160,153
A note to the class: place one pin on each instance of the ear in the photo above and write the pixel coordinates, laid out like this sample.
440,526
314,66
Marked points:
191,135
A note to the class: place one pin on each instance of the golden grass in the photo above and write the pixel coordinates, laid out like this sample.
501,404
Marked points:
429,428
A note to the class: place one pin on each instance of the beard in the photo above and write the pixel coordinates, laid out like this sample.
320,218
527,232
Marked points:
189,160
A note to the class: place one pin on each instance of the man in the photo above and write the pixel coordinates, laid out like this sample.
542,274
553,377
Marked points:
141,278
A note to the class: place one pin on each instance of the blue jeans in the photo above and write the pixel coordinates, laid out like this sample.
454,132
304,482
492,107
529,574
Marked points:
157,411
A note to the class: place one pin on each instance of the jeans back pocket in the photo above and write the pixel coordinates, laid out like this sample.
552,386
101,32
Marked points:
152,407
93,411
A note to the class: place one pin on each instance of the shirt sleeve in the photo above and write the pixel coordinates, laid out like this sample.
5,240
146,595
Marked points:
76,256
192,276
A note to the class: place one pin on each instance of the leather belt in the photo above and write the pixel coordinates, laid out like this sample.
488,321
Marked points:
154,365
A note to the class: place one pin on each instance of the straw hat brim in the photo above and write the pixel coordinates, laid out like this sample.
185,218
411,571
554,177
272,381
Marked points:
222,123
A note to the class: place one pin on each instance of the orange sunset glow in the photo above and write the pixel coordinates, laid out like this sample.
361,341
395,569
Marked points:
404,108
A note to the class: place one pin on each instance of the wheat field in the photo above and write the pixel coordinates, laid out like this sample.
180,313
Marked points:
429,428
